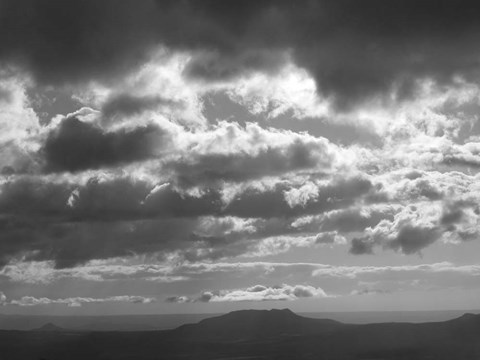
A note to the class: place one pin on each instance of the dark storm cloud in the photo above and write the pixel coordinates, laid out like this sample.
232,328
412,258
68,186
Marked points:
65,41
101,200
361,246
33,198
268,204
129,199
354,49
411,239
76,146
71,223
215,67
241,166
70,244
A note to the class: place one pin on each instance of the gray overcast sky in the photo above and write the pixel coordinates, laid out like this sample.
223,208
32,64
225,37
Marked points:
205,156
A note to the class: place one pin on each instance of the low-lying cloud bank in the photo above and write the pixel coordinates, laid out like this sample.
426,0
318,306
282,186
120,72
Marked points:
100,271
255,293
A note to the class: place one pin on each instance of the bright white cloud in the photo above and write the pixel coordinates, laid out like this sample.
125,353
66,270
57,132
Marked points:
256,293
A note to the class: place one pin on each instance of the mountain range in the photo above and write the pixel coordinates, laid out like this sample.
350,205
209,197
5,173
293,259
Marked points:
255,334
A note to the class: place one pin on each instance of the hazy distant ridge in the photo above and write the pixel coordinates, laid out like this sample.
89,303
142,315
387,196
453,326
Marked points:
256,334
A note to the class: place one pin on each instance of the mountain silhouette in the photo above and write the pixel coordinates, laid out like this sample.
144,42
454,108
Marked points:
256,324
255,334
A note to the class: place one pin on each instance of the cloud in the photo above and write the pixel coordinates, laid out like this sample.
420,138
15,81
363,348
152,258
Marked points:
466,155
232,153
44,272
111,216
256,293
214,66
360,246
411,239
355,219
77,145
331,237
3,299
356,271
19,124
79,301
161,143
181,175
5,95
81,60
170,275
107,216
306,199
351,59
416,226
237,167
125,104
177,299
370,291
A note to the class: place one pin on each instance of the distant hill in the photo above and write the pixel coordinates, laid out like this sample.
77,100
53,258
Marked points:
256,324
102,322
172,321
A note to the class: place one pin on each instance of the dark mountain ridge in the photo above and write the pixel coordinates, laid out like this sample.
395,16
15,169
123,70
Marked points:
257,334
256,324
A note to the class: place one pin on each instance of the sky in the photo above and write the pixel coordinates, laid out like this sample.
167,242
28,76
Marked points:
205,156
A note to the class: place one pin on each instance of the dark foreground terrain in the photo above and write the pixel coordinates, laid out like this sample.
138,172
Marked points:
255,334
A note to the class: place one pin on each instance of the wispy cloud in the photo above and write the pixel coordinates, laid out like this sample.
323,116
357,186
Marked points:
78,301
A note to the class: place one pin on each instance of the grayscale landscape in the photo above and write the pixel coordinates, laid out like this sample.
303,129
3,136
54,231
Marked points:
239,179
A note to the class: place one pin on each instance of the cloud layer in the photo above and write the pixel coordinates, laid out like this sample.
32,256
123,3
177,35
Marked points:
193,134
377,49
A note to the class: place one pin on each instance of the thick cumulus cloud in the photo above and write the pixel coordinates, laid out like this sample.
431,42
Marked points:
379,47
239,167
414,227
77,145
231,153
148,169
282,292
72,223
